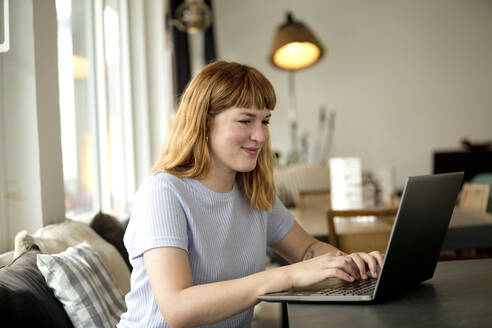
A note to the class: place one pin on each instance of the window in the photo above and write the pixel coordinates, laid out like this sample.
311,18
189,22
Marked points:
95,107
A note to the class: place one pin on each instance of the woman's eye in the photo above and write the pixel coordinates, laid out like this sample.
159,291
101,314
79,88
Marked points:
244,121
266,122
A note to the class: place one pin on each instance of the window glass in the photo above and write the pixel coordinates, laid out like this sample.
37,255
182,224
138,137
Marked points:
77,105
94,106
116,133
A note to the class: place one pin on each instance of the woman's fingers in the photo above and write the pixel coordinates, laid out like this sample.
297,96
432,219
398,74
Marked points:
361,264
341,274
315,270
379,257
349,266
371,263
344,263
346,267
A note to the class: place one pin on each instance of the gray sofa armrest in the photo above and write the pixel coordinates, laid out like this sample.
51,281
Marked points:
6,258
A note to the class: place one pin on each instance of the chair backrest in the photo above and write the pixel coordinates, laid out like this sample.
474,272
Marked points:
314,199
291,180
485,178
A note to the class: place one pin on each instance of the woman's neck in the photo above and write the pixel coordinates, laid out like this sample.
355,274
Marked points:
219,181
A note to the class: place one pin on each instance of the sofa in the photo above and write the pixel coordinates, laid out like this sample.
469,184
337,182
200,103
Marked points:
70,274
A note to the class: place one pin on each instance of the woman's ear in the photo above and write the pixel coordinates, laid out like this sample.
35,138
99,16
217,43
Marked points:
209,122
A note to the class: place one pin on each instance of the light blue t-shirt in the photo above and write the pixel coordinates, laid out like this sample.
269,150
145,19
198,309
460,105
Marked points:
224,237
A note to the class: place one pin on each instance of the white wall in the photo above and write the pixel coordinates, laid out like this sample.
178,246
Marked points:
405,77
22,195
31,178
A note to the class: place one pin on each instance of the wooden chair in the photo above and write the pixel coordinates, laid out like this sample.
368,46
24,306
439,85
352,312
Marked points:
485,178
303,197
348,235
358,237
474,196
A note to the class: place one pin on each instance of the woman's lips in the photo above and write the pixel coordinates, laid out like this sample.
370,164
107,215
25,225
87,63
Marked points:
250,151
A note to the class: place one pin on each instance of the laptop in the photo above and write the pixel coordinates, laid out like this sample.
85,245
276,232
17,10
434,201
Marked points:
413,249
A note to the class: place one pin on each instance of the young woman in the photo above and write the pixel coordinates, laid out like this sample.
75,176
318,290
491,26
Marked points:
201,223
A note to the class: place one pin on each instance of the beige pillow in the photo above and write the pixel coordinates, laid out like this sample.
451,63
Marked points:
56,238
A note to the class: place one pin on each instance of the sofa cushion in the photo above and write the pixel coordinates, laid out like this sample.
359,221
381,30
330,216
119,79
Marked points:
56,238
82,283
6,258
113,231
25,298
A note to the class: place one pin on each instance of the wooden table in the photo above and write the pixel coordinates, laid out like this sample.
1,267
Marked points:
459,295
354,234
467,230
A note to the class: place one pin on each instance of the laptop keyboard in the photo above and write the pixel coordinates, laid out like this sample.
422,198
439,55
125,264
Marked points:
360,287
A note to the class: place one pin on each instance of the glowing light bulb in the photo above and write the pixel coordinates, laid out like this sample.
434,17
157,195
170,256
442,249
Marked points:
296,55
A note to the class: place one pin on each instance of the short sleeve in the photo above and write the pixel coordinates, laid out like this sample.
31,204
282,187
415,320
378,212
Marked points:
279,222
158,217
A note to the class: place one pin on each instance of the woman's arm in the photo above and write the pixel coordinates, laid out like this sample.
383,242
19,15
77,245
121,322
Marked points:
183,305
298,245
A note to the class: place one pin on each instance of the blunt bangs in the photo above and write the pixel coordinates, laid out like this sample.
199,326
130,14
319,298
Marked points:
241,86
255,91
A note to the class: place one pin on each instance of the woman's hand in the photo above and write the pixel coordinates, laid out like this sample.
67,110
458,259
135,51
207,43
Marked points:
315,270
366,262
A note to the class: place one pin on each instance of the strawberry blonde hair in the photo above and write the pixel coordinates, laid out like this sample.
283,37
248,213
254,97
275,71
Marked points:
217,87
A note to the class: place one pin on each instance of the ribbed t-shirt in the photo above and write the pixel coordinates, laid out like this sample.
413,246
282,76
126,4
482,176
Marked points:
225,238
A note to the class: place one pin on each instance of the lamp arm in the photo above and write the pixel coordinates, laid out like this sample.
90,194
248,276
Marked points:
293,156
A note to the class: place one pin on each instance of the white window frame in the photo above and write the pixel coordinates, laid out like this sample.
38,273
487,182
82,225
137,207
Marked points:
102,194
5,45
146,113
4,221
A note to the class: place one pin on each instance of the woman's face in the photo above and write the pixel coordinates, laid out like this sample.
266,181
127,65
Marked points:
236,137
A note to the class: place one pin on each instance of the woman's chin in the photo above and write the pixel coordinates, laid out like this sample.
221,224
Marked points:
246,168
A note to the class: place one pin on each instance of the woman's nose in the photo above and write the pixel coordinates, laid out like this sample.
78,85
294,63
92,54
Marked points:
259,133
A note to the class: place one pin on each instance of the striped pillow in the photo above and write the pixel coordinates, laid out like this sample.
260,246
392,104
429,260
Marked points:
83,285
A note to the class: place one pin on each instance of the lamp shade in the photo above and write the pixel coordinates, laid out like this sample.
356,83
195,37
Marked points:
294,46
